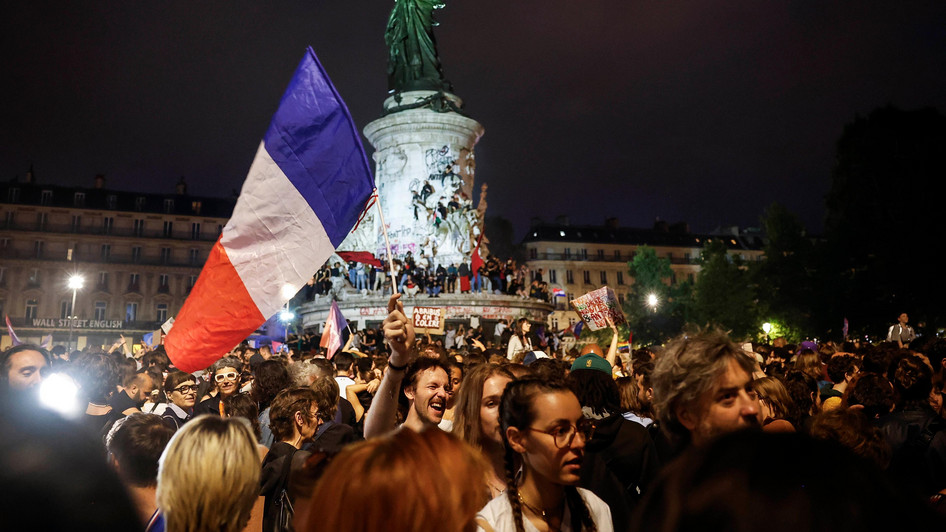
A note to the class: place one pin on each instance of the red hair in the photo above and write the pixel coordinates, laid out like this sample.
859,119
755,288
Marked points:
403,481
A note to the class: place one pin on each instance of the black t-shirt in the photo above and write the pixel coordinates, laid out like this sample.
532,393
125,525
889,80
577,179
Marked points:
121,402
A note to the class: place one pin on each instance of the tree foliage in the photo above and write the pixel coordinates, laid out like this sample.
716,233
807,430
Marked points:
652,275
724,296
884,216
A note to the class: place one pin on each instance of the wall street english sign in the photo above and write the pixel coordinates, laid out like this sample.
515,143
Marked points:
62,323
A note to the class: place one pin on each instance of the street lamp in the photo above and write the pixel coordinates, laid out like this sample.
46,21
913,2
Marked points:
286,316
652,301
75,283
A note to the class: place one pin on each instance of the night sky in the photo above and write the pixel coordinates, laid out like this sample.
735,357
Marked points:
698,111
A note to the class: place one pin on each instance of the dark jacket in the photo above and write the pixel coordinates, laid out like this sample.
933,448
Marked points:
917,438
620,463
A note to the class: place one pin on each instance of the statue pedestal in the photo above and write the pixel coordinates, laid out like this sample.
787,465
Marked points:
370,310
424,170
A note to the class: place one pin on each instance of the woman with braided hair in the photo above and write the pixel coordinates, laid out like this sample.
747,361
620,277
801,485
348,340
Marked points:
543,429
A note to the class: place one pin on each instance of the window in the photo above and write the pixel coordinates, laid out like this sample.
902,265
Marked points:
107,224
133,282
191,281
4,243
620,277
140,203
600,254
533,253
584,254
13,194
131,311
31,306
41,219
554,324
569,277
38,248
165,255
46,197
586,277
553,276
567,253
161,312
3,278
193,256
76,223
617,254
139,227
103,281
34,277
79,199
690,277
100,310
621,299
686,257
65,309
604,277
673,278
106,252
195,231
195,207
135,253
111,200
169,206
168,228
10,218
164,283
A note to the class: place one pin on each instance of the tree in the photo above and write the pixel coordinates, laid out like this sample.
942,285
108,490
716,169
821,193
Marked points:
651,278
785,280
884,217
724,296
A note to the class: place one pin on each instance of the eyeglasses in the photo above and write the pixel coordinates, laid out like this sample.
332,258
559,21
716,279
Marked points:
230,376
186,388
564,435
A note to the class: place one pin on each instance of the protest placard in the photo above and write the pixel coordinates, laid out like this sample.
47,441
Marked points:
596,305
428,320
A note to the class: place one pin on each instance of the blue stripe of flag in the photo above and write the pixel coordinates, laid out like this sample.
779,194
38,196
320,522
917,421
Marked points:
313,140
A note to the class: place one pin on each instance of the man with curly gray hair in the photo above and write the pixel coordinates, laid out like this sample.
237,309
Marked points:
701,388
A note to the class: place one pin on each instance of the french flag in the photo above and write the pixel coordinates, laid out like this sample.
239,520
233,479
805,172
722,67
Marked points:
332,335
303,194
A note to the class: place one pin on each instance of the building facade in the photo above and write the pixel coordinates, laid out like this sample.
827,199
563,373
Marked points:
578,259
137,255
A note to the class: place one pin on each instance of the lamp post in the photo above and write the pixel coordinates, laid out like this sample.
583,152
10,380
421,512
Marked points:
288,292
766,328
75,283
652,301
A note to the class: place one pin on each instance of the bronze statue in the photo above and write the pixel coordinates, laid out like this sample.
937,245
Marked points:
413,63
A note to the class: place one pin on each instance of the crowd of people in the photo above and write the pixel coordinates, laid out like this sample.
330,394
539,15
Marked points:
421,276
404,432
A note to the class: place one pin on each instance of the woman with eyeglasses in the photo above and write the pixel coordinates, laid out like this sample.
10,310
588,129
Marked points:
226,379
180,389
543,427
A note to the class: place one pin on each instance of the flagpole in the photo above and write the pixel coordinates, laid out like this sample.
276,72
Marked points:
387,244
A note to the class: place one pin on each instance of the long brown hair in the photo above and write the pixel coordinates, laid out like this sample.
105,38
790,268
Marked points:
466,421
406,481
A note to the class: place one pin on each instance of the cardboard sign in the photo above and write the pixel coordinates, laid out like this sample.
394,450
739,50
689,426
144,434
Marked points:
594,306
428,320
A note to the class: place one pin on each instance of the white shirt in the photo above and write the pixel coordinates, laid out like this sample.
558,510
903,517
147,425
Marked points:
498,513
343,384
516,345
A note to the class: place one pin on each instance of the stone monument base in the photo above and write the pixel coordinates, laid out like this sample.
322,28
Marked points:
369,310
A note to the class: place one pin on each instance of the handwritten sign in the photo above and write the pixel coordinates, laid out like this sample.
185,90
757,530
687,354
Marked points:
428,320
596,305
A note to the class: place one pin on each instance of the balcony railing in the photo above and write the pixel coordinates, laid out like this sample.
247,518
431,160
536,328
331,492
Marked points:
607,258
96,258
205,236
